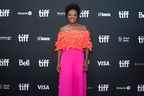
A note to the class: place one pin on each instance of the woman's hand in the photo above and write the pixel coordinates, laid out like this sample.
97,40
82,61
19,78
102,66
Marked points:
85,66
58,67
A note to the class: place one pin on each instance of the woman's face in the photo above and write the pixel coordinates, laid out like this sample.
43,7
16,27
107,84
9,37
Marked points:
72,16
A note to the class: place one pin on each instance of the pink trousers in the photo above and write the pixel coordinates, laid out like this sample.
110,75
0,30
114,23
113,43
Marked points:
72,77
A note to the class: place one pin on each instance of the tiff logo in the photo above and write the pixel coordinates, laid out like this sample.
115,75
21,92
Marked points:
103,63
140,88
103,87
43,62
23,86
141,39
4,62
104,38
4,12
24,63
23,37
140,15
124,63
123,14
84,13
43,87
44,12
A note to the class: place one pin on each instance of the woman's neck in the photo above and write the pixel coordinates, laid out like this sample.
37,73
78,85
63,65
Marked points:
73,24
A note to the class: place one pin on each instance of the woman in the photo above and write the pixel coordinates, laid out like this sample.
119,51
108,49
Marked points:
73,45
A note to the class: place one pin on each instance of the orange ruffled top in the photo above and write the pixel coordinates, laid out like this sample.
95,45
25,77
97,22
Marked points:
78,39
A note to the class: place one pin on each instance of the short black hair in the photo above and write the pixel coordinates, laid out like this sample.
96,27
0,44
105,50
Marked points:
72,6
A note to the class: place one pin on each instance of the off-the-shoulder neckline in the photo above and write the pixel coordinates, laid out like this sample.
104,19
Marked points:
74,31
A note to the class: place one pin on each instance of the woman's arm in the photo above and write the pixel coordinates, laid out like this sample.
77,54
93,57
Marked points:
86,49
59,51
58,61
59,57
86,56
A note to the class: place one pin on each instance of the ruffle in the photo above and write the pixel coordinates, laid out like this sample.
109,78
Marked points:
87,43
59,44
73,40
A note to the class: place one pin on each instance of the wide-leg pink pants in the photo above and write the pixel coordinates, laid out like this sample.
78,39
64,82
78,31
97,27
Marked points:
72,77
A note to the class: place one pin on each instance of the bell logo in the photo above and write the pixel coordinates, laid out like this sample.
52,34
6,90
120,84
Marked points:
24,63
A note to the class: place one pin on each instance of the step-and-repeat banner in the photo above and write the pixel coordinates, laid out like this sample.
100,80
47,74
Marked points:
28,30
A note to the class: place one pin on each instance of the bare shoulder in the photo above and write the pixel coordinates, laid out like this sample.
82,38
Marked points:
84,27
64,28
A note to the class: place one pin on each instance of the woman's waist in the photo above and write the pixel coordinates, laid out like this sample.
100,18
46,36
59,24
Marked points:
73,49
